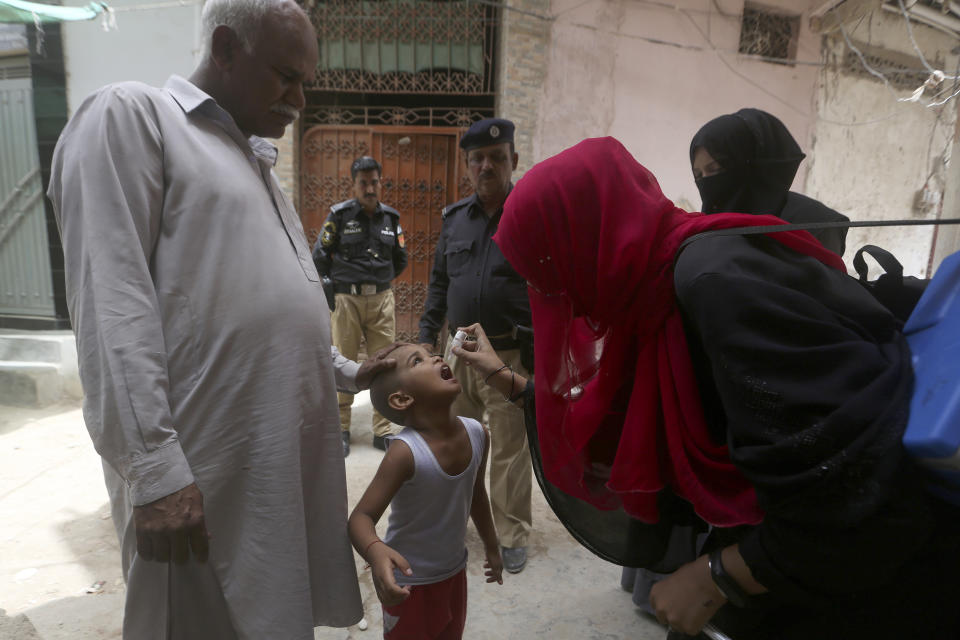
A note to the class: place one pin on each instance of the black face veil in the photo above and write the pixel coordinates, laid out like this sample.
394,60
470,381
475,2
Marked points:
760,160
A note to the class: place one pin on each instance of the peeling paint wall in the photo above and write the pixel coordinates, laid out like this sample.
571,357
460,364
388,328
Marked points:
606,77
871,153
947,238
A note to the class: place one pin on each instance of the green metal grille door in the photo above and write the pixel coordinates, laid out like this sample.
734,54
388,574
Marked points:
26,286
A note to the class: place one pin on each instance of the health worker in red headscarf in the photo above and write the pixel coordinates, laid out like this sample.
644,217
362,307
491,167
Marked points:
748,385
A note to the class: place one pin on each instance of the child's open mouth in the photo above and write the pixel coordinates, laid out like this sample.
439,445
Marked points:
445,373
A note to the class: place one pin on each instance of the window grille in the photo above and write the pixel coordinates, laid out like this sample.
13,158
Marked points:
12,73
769,33
901,71
394,115
405,46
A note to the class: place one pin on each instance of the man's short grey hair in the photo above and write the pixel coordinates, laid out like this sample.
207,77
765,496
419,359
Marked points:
242,16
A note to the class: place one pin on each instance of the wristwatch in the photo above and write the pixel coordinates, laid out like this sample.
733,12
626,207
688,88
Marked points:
729,587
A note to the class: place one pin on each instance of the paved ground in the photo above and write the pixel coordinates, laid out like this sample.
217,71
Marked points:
57,541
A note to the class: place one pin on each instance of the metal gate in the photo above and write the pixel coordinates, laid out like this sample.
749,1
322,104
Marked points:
421,174
26,286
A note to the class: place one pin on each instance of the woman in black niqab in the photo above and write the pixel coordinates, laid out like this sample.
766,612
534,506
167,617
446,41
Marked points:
751,160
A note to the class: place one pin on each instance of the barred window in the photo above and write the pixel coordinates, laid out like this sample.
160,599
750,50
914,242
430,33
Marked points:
769,33
901,71
405,46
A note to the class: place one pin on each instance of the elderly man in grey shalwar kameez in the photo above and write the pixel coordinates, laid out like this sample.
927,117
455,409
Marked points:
204,341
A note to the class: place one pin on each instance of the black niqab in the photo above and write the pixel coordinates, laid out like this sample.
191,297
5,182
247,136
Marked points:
760,160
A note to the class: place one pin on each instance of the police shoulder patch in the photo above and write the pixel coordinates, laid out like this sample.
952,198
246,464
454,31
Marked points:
400,240
329,233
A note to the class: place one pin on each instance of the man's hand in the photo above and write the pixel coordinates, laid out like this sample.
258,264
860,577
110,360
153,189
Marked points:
375,364
687,599
383,560
168,528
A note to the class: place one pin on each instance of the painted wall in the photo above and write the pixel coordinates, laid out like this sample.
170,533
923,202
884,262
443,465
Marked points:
606,77
148,45
872,154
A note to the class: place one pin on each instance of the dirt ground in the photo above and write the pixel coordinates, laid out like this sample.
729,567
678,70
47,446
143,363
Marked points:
60,575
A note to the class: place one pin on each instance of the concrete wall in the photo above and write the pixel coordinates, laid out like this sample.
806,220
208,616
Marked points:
148,45
606,77
871,153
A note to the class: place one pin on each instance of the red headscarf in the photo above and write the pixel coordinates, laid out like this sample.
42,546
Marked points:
618,411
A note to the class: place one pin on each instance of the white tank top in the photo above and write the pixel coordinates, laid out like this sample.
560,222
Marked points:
429,514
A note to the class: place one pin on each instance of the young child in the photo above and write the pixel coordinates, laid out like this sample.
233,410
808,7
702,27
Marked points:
433,477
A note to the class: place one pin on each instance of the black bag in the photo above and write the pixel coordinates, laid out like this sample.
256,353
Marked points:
897,293
524,336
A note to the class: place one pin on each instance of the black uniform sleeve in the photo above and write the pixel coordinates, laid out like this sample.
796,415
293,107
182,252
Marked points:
399,251
327,243
435,310
815,385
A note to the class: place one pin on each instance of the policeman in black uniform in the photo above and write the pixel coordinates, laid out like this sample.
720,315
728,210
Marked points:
472,282
362,250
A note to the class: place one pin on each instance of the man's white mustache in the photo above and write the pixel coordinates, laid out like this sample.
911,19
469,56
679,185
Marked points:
285,110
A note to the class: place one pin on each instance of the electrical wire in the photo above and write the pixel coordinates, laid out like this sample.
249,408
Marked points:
725,14
923,60
737,73
680,45
866,65
718,52
819,118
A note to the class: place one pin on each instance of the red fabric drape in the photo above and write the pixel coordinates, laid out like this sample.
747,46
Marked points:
618,410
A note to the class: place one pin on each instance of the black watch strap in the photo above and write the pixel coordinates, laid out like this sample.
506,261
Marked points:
729,587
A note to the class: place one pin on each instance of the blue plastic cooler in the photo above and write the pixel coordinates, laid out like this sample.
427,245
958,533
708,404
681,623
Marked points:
933,332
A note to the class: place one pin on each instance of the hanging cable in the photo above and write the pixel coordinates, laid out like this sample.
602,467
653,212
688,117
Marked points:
863,61
923,60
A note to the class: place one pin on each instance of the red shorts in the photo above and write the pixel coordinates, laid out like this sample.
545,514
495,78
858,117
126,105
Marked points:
434,611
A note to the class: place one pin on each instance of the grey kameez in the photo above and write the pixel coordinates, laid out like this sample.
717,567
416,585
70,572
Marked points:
204,344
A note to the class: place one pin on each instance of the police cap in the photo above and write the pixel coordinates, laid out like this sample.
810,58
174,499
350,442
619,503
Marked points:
486,132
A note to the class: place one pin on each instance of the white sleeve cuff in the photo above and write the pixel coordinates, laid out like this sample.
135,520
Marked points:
159,473
345,372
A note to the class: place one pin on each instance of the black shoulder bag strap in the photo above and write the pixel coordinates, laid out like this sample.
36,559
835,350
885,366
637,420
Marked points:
775,228
895,292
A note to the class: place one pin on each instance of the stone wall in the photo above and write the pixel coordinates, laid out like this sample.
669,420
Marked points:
521,70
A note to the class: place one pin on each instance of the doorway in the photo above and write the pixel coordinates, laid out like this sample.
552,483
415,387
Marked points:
422,173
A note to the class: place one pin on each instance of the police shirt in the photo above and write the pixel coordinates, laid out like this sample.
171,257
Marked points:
358,248
471,281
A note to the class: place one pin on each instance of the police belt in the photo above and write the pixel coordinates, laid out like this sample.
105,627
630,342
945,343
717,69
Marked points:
361,288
